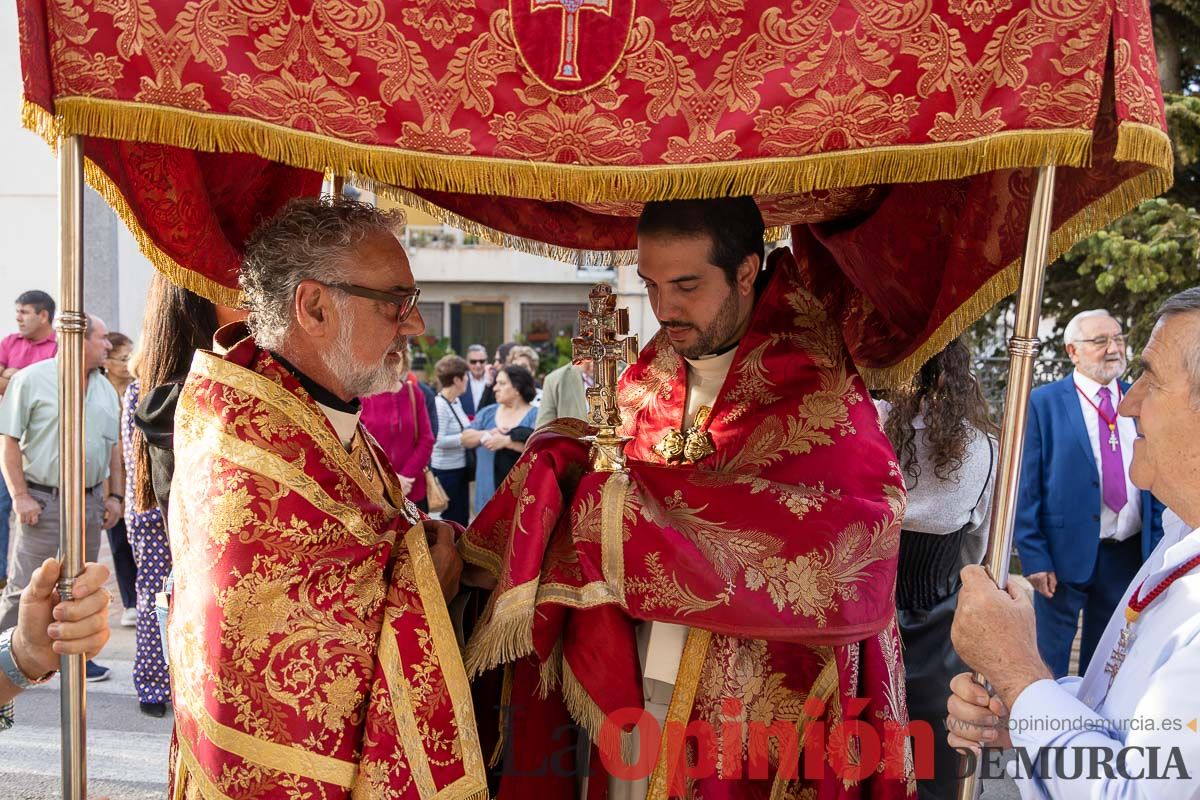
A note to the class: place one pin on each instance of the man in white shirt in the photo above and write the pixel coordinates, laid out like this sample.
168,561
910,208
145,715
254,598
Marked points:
1082,528
1127,728
479,389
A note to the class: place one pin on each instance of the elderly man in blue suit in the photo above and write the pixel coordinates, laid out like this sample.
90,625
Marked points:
1082,528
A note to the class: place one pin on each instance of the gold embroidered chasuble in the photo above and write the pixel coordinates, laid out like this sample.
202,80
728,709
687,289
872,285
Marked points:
311,651
777,550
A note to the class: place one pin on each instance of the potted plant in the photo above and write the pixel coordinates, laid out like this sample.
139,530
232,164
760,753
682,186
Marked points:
539,331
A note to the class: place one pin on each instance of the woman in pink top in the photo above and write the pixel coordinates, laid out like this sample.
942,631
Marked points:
399,421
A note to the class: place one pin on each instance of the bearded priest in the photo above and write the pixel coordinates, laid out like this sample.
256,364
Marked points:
311,651
719,618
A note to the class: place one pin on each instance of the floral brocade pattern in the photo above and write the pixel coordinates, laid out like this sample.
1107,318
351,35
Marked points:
431,74
200,122
781,546
306,659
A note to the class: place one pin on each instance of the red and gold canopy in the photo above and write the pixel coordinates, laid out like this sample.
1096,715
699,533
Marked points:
897,138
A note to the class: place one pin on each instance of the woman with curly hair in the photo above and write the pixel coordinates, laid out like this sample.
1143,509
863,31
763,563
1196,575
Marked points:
945,439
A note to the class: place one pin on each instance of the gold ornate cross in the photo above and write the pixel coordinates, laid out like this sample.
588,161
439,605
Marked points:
602,338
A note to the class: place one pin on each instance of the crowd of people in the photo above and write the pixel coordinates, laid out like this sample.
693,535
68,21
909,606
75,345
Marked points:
270,408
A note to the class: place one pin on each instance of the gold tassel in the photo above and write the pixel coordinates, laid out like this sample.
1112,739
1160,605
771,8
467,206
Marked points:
551,671
50,128
116,119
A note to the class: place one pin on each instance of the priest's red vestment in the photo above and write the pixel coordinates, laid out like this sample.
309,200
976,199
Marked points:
778,551
311,652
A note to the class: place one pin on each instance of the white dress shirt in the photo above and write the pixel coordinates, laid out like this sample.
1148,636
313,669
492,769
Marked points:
476,386
1112,525
1151,705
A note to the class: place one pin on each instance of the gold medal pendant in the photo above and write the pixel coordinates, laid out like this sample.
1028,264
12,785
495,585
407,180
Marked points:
671,446
695,445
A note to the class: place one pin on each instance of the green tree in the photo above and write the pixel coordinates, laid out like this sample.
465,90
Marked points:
1152,252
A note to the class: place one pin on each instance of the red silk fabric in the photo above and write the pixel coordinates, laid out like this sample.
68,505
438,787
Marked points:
311,651
900,134
782,544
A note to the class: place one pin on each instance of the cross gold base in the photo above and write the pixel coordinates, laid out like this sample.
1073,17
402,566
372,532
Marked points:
608,450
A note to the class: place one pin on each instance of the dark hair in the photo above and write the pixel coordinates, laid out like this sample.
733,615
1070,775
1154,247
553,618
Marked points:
117,339
40,302
948,394
503,350
176,325
733,225
448,368
521,379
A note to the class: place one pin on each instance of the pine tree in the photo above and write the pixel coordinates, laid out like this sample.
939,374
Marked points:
1153,251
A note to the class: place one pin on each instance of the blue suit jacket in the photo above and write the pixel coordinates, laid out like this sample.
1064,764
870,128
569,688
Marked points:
468,402
1057,527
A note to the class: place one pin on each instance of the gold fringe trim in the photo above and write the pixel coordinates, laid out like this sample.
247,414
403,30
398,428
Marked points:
1085,222
610,259
550,673
605,259
506,634
50,128
116,119
505,712
683,699
1137,141
823,687
583,709
127,120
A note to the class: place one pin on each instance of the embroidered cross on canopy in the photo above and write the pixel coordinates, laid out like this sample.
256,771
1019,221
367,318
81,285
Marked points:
568,69
896,140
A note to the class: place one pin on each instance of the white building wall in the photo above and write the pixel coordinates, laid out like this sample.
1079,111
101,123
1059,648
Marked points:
29,218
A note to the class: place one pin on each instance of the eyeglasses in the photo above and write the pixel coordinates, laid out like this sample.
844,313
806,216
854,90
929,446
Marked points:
405,302
477,361
1102,342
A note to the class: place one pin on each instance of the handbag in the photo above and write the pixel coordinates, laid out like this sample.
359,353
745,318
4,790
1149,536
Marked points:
435,494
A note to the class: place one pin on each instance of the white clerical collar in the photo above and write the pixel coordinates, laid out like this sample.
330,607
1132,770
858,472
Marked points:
712,365
344,423
1091,388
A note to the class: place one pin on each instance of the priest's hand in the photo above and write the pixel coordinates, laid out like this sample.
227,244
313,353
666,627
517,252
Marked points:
446,561
976,719
995,633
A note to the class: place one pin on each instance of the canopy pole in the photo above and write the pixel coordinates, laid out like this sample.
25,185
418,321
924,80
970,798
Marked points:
71,325
1023,348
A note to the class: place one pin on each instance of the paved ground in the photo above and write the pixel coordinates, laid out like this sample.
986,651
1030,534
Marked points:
126,750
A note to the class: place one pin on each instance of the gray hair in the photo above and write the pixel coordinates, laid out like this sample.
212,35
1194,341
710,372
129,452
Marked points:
309,239
1072,331
526,351
477,347
1186,302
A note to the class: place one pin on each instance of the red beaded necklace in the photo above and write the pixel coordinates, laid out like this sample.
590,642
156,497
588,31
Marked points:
1137,604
